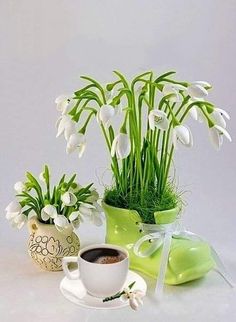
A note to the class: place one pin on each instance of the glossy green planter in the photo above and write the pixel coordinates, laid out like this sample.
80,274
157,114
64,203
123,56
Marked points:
188,259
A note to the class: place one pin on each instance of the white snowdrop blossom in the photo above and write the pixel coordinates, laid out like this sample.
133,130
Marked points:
41,177
182,134
75,219
62,223
196,90
14,214
66,125
121,146
91,213
76,141
69,199
134,298
19,187
64,103
49,212
218,116
94,196
174,90
216,134
105,114
158,119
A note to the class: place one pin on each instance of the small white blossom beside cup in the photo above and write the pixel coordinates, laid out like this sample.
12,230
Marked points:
134,297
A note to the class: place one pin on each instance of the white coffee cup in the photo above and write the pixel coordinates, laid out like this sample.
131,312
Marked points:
100,280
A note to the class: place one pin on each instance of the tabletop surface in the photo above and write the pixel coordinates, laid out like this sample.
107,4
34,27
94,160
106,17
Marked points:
30,294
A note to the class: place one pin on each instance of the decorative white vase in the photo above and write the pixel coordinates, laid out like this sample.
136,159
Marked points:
47,246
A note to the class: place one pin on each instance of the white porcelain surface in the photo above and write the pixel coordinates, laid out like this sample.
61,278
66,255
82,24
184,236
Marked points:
70,289
100,280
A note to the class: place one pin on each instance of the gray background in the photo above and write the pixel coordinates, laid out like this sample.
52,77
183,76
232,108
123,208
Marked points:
45,46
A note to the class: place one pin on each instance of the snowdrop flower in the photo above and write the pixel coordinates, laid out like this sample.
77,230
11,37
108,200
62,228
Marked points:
18,221
158,119
93,197
75,219
13,209
121,146
196,90
69,199
14,215
63,103
61,223
91,212
19,187
41,177
76,141
174,90
105,114
216,134
31,214
65,125
218,117
134,298
49,211
182,134
85,209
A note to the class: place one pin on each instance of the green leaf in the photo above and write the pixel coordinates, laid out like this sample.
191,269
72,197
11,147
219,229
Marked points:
164,75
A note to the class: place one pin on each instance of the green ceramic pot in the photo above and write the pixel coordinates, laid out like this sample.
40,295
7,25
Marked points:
188,259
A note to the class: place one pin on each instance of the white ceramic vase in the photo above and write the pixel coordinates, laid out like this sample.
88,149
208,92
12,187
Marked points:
47,246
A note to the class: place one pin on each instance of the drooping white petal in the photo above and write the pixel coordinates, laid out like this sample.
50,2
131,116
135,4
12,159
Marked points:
216,134
19,187
62,223
63,103
196,91
114,145
182,134
49,211
158,119
194,113
121,146
124,298
65,125
41,177
96,218
133,303
218,118
32,214
14,206
223,131
218,115
105,114
93,197
202,83
169,89
76,141
74,215
85,209
69,199
215,138
223,112
19,221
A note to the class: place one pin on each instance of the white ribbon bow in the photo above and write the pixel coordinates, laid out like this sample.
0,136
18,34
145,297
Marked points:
161,235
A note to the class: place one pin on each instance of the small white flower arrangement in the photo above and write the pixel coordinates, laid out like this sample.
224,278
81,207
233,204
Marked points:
65,205
133,297
154,112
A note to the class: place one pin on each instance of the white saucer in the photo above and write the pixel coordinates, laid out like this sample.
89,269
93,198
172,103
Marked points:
70,288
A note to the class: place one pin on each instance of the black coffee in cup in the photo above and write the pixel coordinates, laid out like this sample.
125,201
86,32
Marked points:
103,255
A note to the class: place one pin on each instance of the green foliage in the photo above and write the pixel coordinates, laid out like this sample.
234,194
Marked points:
152,201
37,195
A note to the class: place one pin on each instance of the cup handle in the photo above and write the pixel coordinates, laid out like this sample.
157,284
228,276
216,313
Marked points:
68,273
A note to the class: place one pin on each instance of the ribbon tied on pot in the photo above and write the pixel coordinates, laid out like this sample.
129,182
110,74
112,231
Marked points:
160,236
